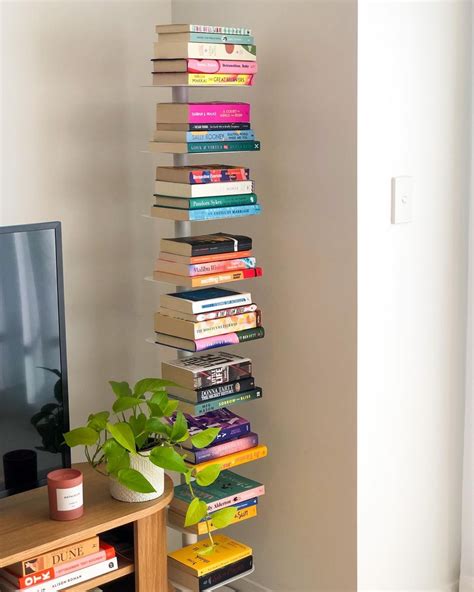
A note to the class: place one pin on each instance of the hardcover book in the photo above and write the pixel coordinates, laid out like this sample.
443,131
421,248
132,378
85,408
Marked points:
200,528
213,392
202,281
188,79
214,51
205,268
206,369
207,299
190,559
208,316
221,403
193,66
215,112
209,342
227,490
229,424
187,330
206,244
203,147
216,29
203,136
198,203
235,459
205,213
219,450
203,189
195,174
219,576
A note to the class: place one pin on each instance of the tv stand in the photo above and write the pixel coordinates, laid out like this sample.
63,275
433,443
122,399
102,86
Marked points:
26,530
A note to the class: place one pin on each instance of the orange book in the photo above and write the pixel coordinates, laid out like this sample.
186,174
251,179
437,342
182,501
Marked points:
235,459
203,258
202,281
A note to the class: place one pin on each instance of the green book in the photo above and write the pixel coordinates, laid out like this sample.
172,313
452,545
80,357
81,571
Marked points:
245,146
199,408
227,490
199,203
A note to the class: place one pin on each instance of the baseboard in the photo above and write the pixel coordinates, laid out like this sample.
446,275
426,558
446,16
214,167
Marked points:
466,584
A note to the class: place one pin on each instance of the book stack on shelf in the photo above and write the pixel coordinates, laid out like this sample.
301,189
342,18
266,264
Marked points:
61,568
197,570
195,55
196,128
204,193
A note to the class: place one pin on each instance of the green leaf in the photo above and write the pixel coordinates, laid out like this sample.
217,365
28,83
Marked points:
125,403
206,550
208,475
158,403
187,476
179,431
170,408
122,432
117,457
137,423
154,425
168,458
151,385
121,389
223,518
204,438
197,510
81,437
98,421
135,481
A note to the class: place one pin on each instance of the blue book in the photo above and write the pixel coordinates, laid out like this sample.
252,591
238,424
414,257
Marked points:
219,136
206,213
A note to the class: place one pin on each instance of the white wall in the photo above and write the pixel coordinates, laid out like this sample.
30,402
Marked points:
74,120
413,114
303,110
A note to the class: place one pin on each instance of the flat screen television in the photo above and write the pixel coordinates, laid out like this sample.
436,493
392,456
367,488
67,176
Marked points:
33,372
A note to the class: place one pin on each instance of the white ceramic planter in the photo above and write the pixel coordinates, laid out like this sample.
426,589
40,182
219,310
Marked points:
154,474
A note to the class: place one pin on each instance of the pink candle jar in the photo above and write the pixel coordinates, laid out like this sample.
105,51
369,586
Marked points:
65,494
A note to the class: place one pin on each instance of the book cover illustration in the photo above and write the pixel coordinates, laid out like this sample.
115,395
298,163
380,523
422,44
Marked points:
230,425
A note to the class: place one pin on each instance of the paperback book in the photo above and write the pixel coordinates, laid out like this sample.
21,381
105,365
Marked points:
216,29
202,127
207,280
235,459
184,259
215,51
197,203
203,136
202,214
192,37
195,174
230,426
203,147
187,79
205,268
208,316
206,244
221,403
215,112
219,450
212,392
205,300
241,514
193,66
208,581
209,342
182,190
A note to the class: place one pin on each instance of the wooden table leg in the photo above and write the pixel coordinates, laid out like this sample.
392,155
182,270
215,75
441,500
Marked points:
151,553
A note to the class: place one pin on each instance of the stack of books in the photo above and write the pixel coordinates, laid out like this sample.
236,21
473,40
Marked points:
204,193
61,568
206,260
204,55
229,490
198,128
198,570
210,381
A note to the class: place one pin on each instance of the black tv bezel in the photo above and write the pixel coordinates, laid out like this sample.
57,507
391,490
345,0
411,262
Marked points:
56,226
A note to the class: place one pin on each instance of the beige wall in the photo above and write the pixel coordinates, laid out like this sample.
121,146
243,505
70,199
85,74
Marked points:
304,112
74,121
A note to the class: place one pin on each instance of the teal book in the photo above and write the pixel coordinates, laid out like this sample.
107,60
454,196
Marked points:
198,203
227,490
214,404
206,213
215,38
245,146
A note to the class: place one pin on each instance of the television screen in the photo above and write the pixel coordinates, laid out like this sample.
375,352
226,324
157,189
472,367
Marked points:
33,373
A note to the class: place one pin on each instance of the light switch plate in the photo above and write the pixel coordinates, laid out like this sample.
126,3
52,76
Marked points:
402,200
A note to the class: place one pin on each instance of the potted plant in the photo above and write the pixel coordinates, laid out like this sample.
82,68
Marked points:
133,444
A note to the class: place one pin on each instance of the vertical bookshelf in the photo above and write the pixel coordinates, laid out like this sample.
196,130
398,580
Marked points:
181,94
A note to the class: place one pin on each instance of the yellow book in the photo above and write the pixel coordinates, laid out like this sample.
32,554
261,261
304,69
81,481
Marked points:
226,550
241,514
183,78
235,459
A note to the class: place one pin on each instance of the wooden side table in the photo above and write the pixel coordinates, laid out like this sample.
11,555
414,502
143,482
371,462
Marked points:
26,530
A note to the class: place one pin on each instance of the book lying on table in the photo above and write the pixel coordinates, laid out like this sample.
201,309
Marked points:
227,490
203,189
190,560
235,459
241,514
218,450
208,316
206,369
206,244
203,147
214,112
220,403
193,66
207,280
219,576
188,330
217,51
199,203
205,268
196,174
189,79
212,392
201,37
205,213
230,425
216,29
209,342
205,300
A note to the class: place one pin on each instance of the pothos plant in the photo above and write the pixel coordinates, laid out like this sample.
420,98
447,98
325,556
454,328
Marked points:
137,425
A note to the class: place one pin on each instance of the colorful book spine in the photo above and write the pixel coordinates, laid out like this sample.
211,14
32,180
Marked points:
223,201
200,127
213,392
228,312
207,304
216,51
220,30
219,450
211,213
202,527
221,67
219,576
67,580
170,326
218,112
196,147
220,136
230,339
216,404
234,460
208,268
214,79
202,281
218,175
218,38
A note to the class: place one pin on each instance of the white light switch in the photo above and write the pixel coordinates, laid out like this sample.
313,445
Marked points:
402,199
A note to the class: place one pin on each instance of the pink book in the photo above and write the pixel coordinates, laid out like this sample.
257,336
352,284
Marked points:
221,67
205,268
236,498
218,112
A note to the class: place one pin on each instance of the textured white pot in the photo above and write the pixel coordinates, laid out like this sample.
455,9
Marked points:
154,474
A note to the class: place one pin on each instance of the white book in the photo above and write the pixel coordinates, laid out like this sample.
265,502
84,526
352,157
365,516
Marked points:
66,581
203,189
213,51
218,300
